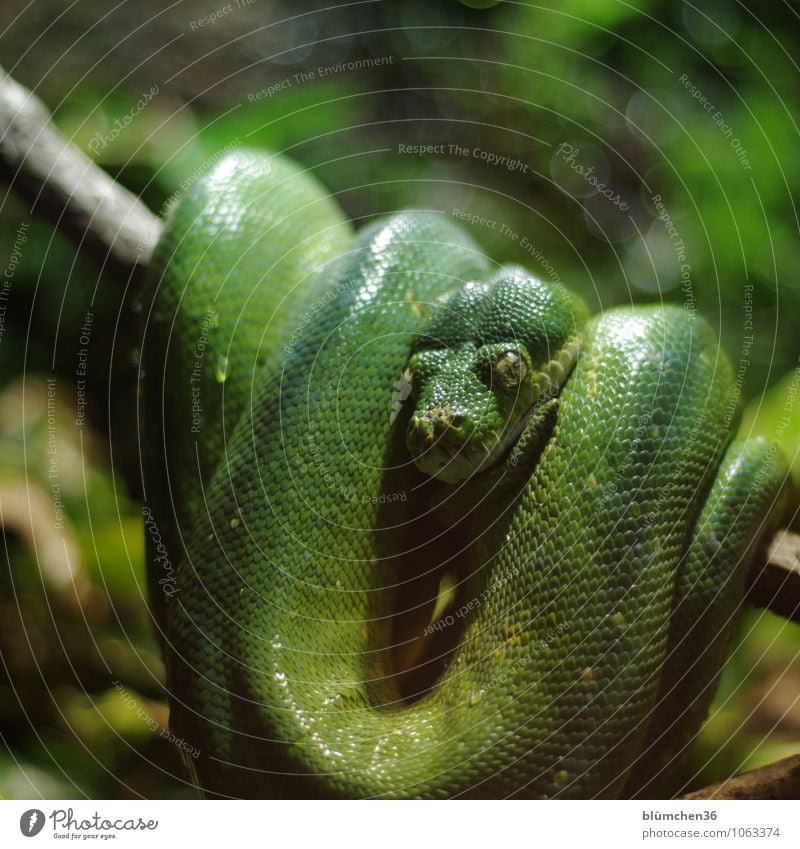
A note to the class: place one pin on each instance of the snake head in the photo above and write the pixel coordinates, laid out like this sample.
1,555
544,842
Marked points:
491,352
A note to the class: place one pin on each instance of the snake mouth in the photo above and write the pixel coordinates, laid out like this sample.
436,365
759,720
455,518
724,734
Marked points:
446,445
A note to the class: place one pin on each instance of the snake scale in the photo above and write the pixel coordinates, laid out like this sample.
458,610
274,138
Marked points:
430,531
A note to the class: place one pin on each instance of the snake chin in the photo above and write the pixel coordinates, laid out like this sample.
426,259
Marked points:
453,465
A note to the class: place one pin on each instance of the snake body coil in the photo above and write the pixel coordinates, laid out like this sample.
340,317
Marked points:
520,580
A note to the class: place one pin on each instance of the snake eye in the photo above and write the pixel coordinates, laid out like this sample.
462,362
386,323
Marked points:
510,370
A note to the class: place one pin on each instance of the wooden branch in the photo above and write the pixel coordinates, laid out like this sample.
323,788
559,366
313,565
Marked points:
780,780
61,182
775,585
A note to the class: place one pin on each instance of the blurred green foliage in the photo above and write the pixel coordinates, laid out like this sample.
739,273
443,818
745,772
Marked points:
695,105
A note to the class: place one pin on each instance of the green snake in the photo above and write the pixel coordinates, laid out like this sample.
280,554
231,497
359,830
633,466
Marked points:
426,529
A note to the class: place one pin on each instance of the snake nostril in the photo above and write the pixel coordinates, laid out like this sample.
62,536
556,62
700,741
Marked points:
456,420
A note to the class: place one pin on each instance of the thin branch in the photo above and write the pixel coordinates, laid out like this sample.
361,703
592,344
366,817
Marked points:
775,585
65,185
780,780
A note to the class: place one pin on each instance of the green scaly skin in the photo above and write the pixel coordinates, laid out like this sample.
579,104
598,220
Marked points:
242,244
536,619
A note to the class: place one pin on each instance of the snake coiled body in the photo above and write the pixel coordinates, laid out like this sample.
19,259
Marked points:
434,534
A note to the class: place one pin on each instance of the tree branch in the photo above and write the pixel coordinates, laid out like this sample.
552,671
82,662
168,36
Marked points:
775,584
62,183
780,780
